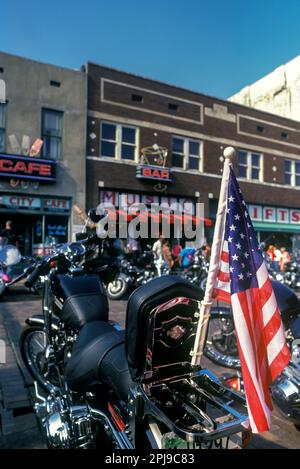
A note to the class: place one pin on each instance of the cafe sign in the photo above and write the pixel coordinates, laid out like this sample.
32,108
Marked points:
154,173
29,168
269,214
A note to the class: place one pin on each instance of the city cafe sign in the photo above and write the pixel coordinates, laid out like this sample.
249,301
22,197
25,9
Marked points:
23,167
266,214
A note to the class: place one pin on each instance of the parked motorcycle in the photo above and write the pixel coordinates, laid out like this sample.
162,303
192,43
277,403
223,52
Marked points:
10,256
291,276
100,387
131,274
221,347
198,271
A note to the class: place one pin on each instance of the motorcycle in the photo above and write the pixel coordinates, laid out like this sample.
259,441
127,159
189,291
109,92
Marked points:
291,276
100,387
133,274
221,348
10,256
198,271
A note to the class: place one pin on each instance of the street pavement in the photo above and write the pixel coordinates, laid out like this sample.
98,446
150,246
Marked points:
18,425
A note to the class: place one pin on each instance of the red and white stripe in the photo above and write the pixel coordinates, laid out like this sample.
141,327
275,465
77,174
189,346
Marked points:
222,288
260,336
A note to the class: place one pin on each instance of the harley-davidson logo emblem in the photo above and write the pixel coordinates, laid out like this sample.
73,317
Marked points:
176,332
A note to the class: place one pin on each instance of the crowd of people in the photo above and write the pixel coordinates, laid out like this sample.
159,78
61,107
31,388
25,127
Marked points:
279,257
173,254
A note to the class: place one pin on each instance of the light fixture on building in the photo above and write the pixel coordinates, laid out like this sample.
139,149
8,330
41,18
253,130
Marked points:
100,183
210,195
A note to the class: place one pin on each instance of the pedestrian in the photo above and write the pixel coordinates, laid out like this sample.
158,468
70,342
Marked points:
133,248
158,255
167,254
206,250
277,258
157,247
285,259
187,255
176,254
9,234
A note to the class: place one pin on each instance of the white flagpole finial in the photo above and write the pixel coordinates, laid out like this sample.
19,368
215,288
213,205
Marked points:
229,153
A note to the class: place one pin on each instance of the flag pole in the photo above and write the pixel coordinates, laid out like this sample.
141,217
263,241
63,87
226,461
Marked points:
206,303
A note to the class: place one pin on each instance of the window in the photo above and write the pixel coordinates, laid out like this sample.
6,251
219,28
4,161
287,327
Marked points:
55,83
2,126
137,98
173,107
118,141
292,173
186,153
260,129
52,134
249,165
284,135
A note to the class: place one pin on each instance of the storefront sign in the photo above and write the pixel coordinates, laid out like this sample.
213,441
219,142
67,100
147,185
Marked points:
26,202
22,167
154,173
125,200
57,205
278,215
20,201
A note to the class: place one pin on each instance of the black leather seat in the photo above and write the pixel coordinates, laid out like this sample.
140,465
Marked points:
98,356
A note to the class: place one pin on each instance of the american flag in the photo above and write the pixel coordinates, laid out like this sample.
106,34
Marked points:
243,281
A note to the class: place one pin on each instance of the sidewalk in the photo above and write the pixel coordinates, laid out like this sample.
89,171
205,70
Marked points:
18,424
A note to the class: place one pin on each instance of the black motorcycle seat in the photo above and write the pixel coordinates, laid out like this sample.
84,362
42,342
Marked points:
98,356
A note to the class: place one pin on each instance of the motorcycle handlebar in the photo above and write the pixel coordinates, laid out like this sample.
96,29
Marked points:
32,278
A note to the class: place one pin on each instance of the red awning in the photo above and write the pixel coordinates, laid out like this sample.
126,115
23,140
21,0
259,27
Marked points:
122,216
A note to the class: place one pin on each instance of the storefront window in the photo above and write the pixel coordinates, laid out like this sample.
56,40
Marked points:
292,173
186,153
2,126
52,134
249,165
56,230
118,141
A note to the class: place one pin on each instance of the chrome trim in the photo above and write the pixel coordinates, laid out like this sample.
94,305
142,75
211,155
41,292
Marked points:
121,438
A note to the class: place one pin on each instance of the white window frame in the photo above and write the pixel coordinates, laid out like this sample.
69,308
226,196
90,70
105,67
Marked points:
249,166
292,173
186,154
118,142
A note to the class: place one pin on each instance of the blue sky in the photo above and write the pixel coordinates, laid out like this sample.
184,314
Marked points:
215,47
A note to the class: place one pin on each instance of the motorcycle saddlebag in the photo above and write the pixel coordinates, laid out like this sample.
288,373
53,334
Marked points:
161,325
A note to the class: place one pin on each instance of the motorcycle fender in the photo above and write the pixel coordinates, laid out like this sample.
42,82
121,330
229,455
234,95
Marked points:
38,320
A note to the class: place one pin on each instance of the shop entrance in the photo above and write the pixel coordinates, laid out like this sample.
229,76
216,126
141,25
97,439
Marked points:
37,233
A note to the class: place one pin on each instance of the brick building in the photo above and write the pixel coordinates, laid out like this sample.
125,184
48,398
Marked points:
41,101
128,112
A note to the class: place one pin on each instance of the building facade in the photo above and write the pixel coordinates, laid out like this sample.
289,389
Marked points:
127,113
40,184
278,92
